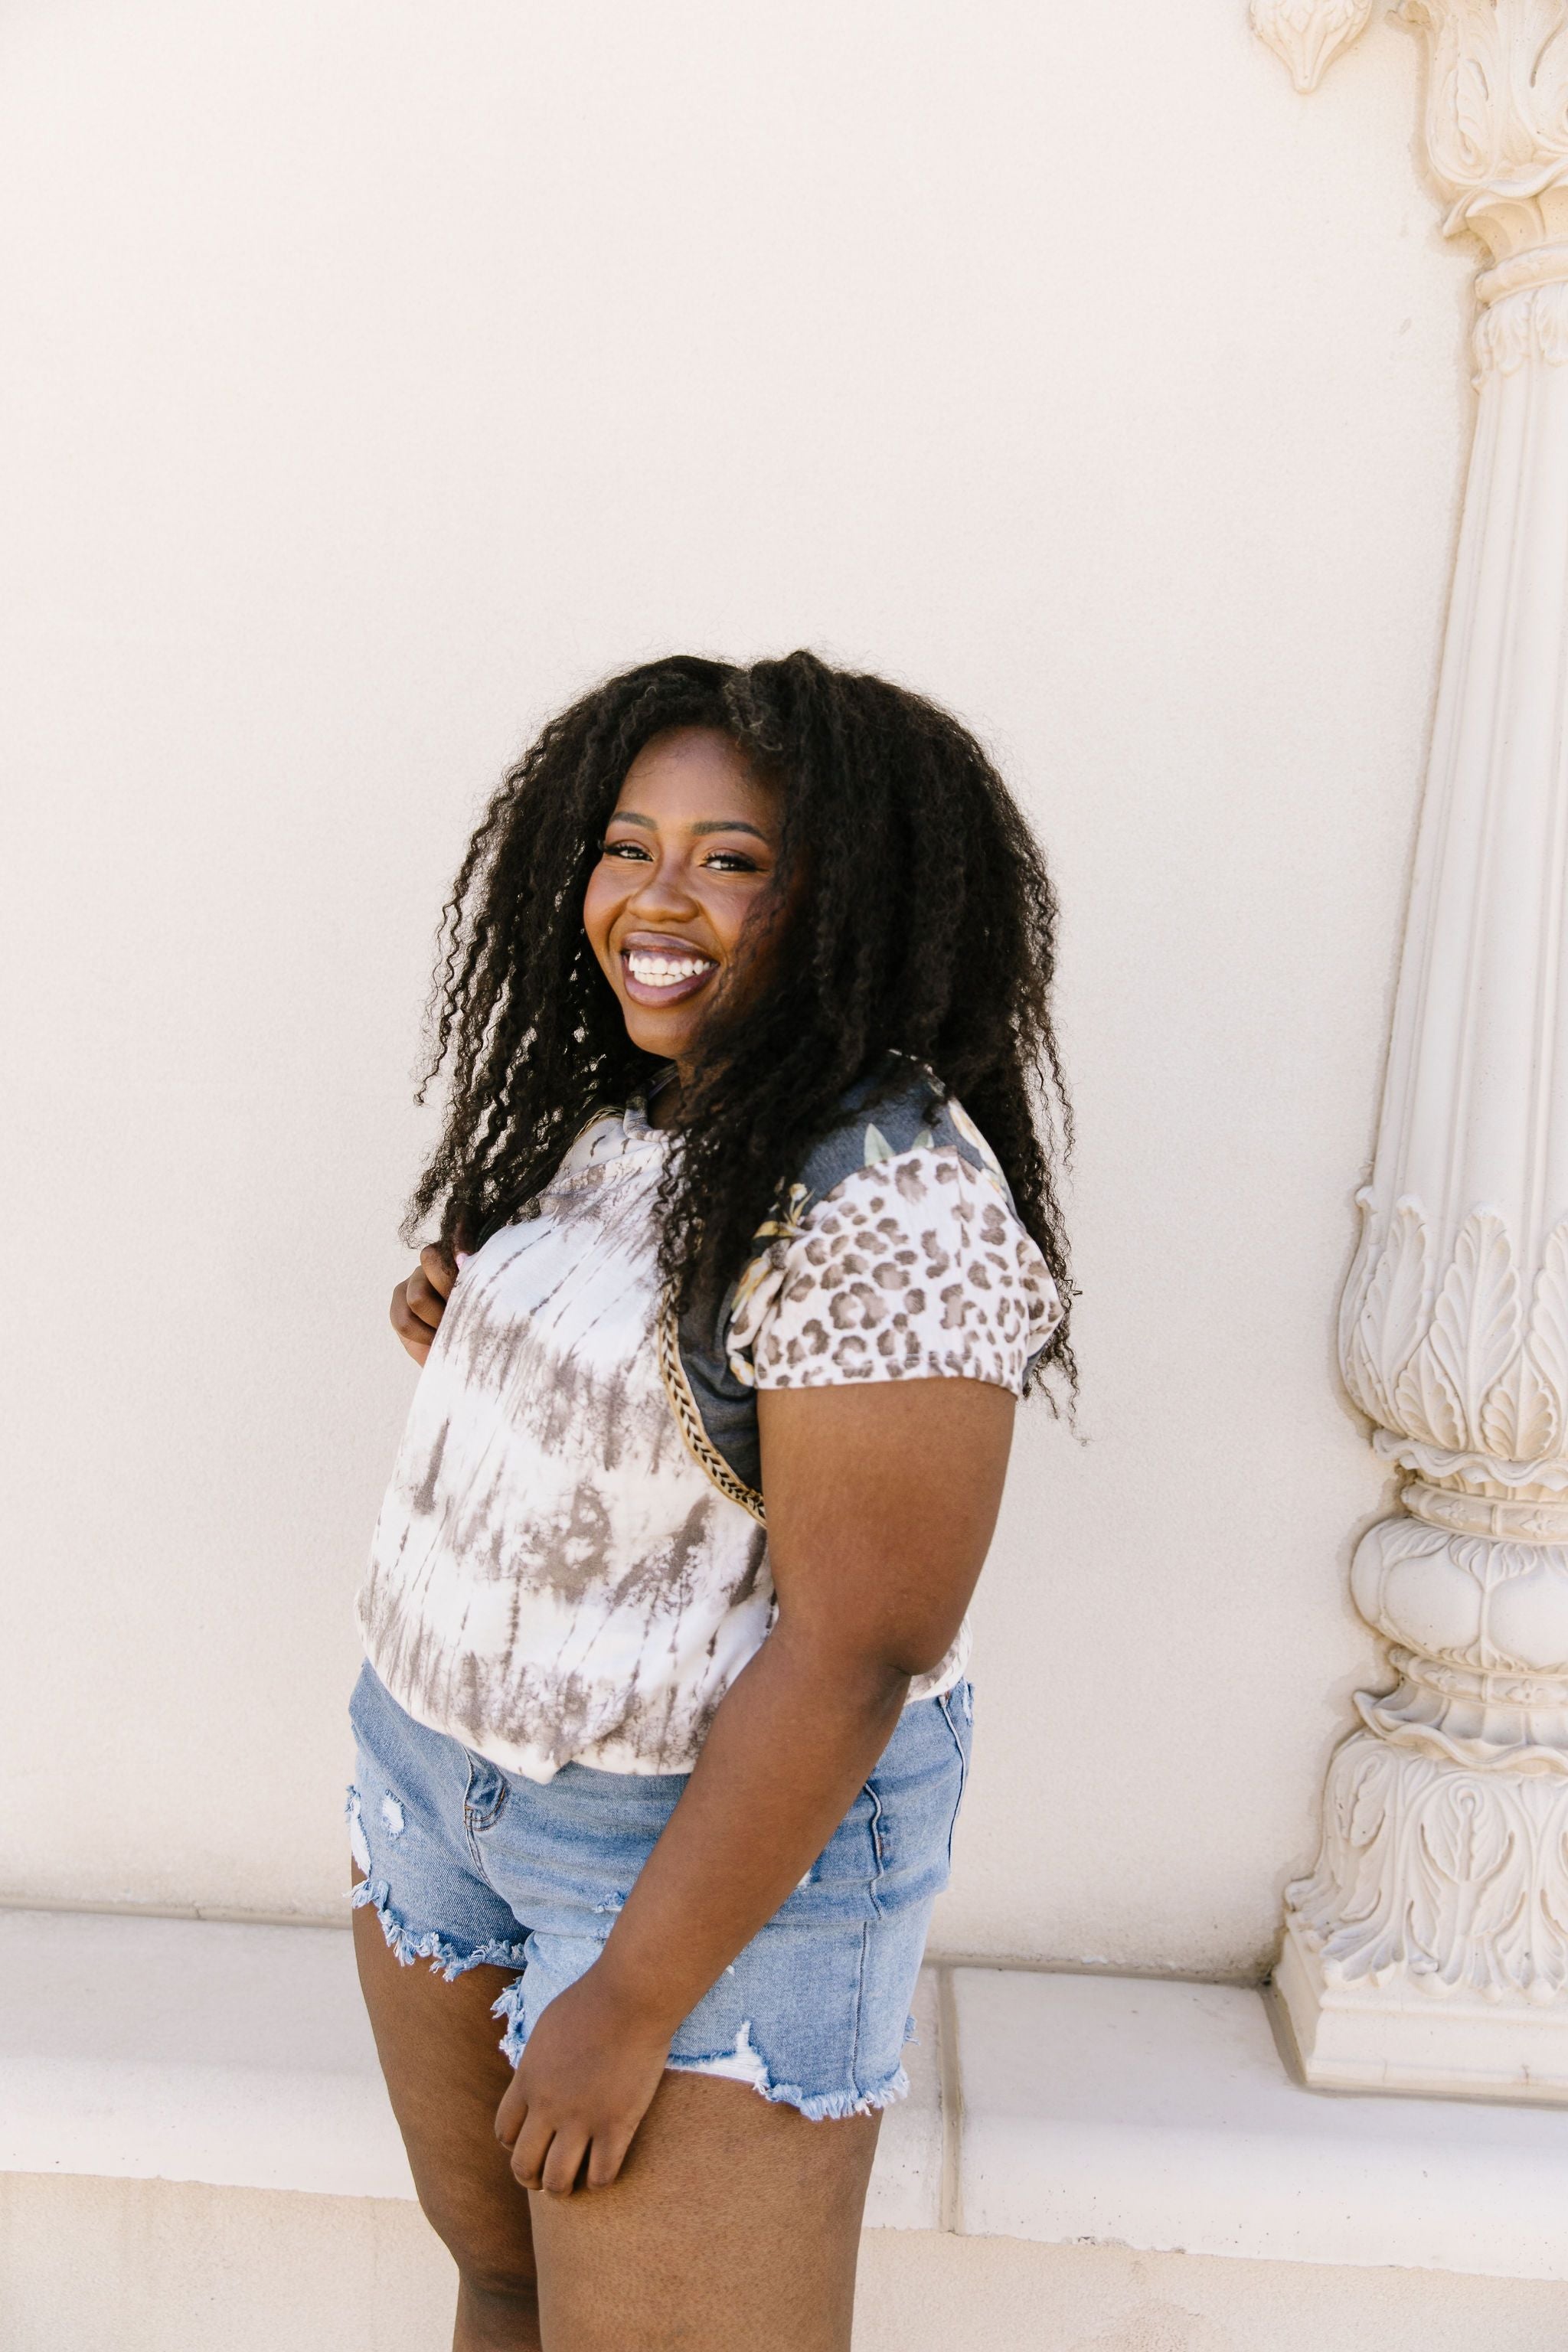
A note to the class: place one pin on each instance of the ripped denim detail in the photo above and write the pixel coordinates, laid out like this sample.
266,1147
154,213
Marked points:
376,1895
354,1816
744,2063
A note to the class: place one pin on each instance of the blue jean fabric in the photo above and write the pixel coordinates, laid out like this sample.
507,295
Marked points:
468,1866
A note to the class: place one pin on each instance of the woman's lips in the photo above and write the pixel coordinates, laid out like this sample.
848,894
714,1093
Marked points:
656,977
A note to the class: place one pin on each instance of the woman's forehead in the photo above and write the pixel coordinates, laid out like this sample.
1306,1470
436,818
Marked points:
696,773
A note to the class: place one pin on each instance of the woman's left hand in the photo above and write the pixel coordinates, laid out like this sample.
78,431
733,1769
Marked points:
583,2084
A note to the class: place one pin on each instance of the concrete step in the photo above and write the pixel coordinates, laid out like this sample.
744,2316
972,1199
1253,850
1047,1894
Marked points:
195,2148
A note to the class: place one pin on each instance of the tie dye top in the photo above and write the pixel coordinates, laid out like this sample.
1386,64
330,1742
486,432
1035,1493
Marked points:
554,1578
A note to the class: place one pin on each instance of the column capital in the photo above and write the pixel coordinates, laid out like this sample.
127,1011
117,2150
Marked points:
1496,116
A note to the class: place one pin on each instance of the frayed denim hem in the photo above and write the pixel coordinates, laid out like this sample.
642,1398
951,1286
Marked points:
828,2106
376,1895
741,2064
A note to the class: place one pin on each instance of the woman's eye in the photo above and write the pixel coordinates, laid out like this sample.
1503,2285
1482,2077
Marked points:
624,849
732,861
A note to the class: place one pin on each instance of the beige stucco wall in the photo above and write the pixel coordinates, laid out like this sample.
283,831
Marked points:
177,2267
377,376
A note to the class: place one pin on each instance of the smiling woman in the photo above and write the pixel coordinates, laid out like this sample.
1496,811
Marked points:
689,858
722,1333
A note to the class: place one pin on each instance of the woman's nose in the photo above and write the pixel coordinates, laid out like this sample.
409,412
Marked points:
662,887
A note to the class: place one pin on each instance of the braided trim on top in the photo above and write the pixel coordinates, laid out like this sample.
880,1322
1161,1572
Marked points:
689,1420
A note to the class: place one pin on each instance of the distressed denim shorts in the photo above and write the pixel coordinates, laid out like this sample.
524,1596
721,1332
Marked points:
468,1866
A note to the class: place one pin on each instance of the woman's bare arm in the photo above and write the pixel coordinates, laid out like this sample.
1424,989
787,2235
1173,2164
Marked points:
881,1503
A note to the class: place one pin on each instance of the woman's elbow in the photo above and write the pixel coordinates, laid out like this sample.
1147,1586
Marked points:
879,1661
918,1658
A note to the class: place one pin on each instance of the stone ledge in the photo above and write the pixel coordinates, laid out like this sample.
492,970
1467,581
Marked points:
1091,2110
1111,2110
241,2056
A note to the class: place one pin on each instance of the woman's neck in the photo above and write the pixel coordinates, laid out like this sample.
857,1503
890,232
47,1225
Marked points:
664,1096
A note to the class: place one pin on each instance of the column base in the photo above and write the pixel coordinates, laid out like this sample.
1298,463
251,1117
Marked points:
1399,2036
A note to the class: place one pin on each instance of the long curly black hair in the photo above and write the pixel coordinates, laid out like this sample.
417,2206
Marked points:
926,924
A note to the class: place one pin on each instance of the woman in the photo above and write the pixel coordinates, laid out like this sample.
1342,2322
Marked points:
743,996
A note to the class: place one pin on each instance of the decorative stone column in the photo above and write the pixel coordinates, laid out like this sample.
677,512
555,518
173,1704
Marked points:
1429,1950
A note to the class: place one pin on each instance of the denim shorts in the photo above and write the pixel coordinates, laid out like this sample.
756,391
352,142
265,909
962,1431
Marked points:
468,1866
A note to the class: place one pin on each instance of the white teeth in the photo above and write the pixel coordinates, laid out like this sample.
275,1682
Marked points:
664,972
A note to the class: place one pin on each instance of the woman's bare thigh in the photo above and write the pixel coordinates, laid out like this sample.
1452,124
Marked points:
440,2052
735,2222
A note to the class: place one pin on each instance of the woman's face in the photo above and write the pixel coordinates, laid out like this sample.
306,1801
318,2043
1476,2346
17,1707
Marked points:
692,847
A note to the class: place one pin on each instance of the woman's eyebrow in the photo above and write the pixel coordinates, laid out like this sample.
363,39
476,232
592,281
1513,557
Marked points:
702,826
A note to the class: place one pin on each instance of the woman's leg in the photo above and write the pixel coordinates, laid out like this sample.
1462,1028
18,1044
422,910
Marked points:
734,2222
438,2049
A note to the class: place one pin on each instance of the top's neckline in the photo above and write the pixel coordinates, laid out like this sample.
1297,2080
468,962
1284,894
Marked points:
609,1145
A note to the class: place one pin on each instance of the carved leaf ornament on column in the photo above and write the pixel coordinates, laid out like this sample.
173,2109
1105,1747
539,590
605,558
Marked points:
1454,1364
1309,34
1447,1877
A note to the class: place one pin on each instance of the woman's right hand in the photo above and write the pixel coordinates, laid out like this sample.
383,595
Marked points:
419,1304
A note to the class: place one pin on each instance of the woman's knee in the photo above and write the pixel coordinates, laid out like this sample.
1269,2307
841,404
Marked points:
512,2301
494,2262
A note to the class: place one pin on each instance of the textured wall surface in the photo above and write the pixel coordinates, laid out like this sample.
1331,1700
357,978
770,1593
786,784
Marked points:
379,377
177,2268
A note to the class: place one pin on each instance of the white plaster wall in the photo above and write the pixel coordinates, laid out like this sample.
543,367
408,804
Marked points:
377,375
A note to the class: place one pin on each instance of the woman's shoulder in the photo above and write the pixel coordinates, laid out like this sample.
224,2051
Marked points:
895,1253
899,1111
899,1255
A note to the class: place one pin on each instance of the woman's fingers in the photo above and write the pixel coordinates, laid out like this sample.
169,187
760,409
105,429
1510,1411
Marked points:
419,1303
606,2157
415,1335
425,1303
438,1270
564,2161
510,2114
549,2157
534,2144
557,2157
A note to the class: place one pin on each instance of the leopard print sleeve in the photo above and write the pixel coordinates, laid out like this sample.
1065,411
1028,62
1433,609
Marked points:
915,1267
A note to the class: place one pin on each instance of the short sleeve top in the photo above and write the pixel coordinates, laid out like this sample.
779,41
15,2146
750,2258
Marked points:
554,1576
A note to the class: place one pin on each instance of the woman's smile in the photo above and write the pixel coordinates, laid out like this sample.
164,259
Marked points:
663,971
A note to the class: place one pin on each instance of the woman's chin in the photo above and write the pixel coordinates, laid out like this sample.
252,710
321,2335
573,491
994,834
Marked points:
666,1034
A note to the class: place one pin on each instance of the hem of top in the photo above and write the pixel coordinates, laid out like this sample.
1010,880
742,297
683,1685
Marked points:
943,1688
951,1677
